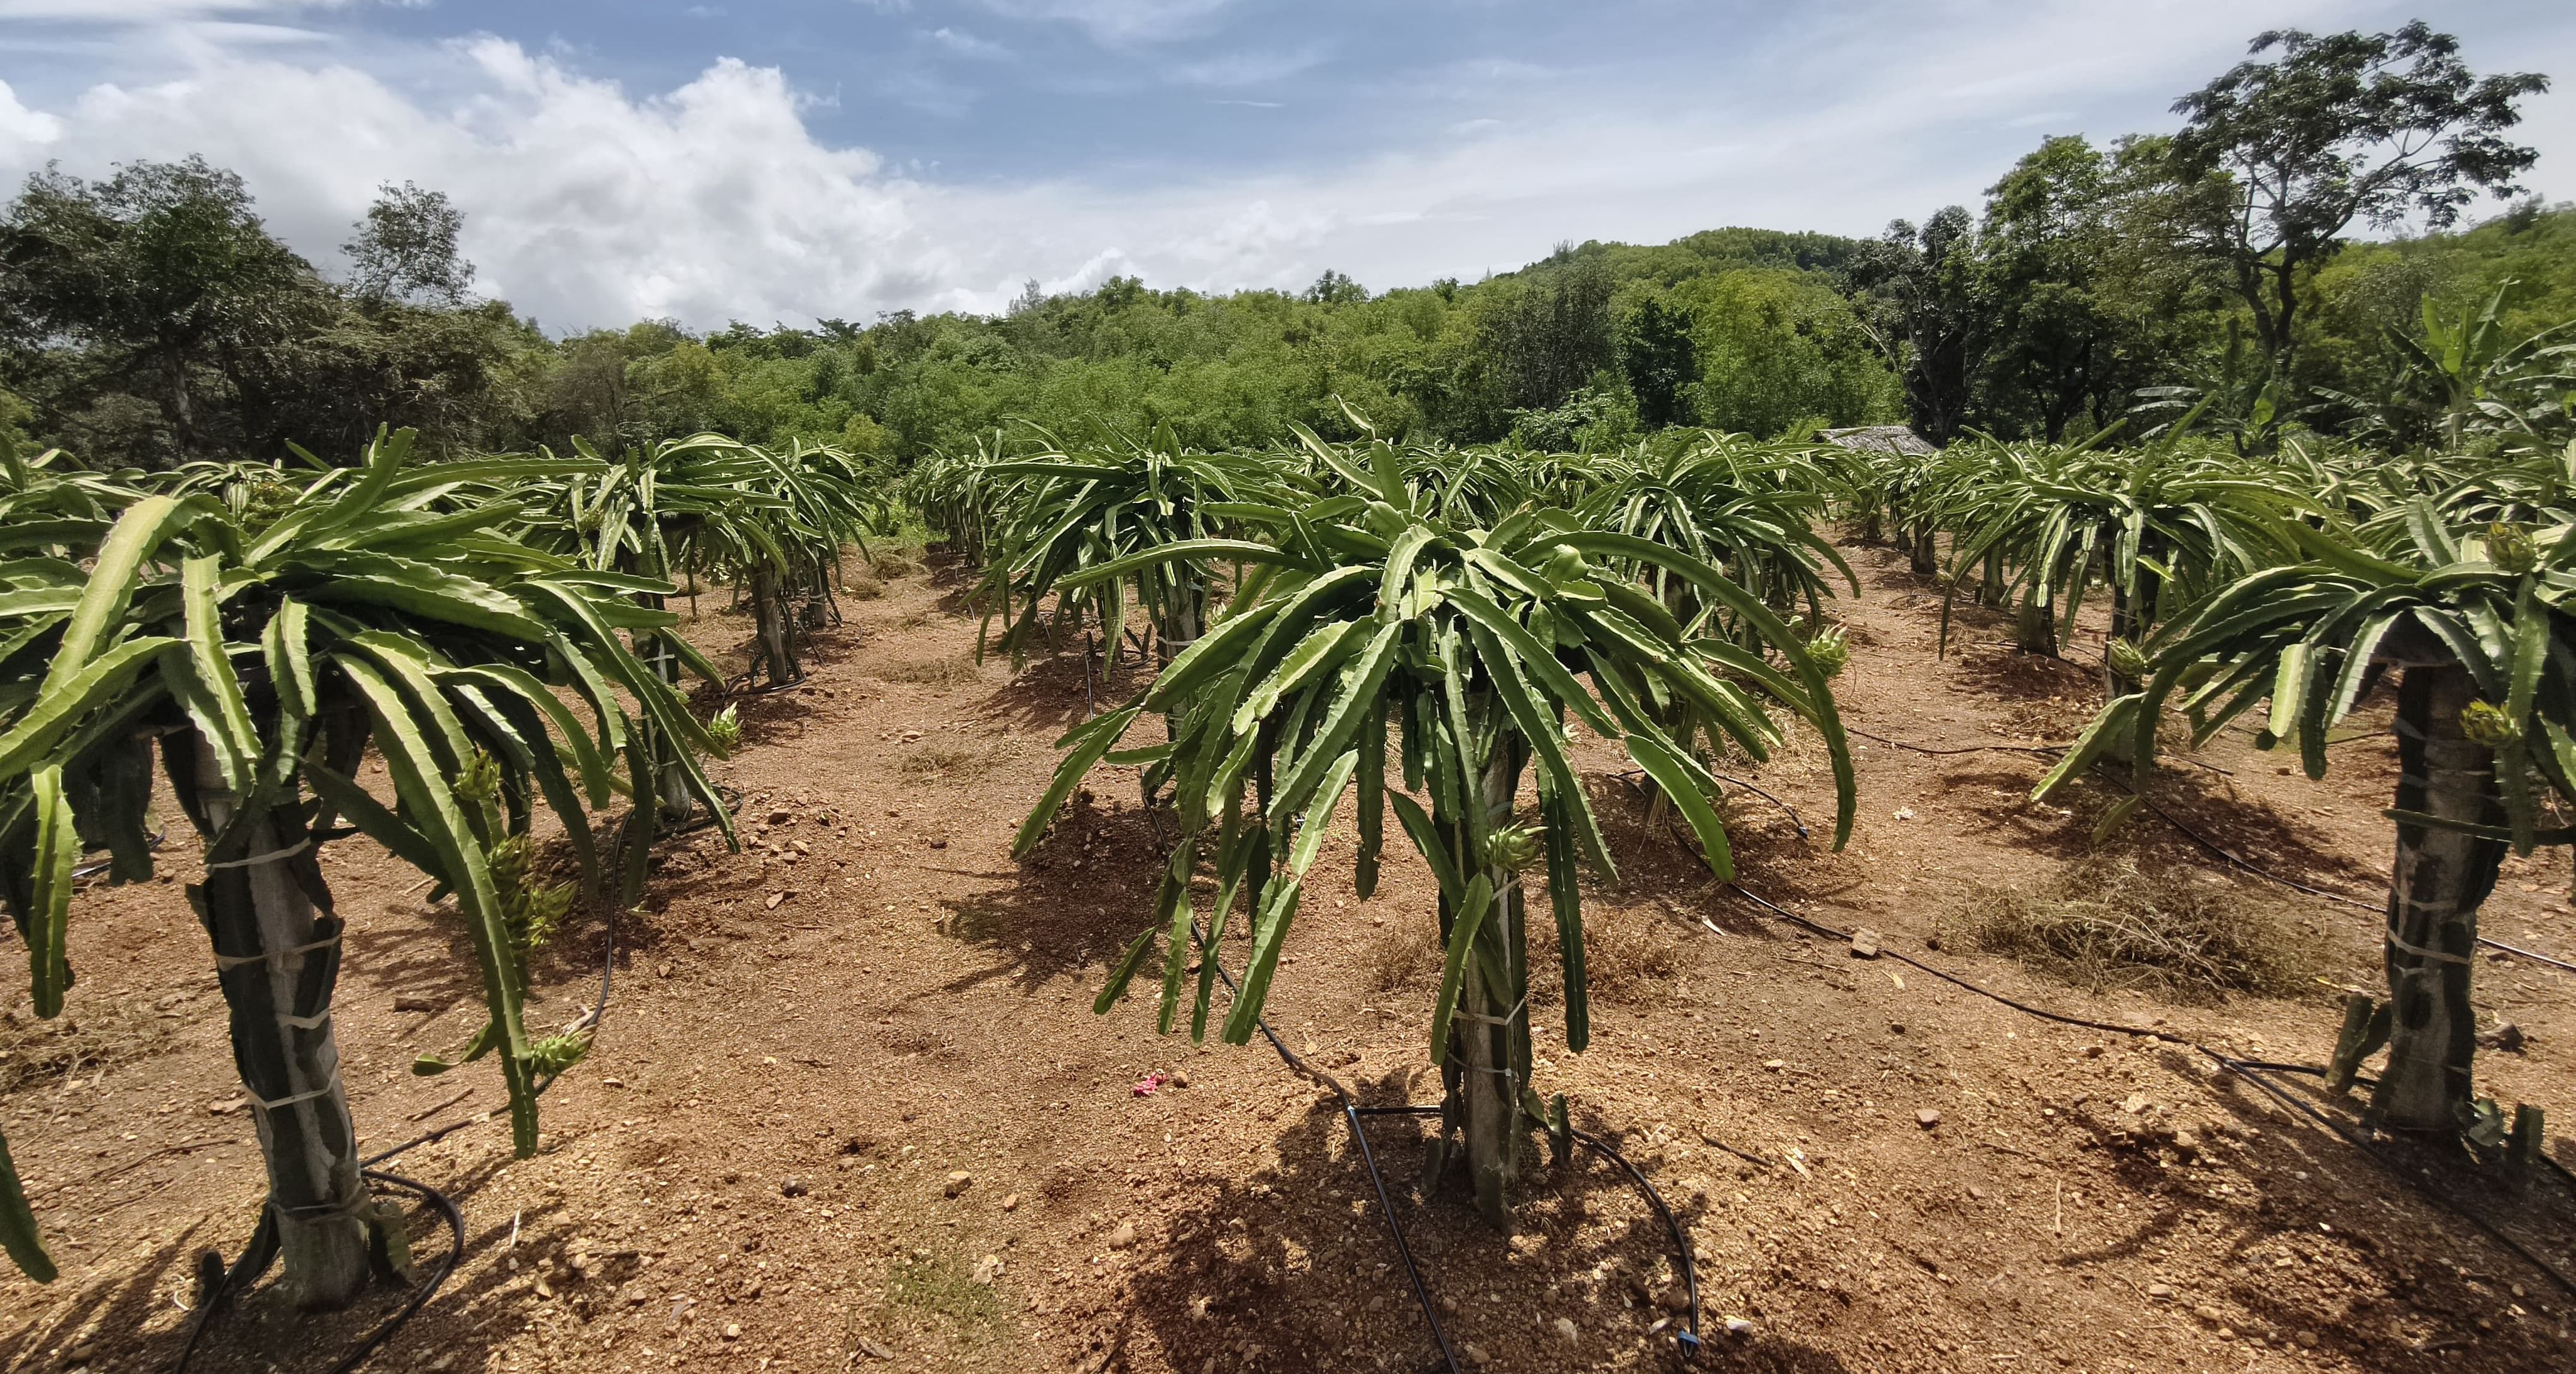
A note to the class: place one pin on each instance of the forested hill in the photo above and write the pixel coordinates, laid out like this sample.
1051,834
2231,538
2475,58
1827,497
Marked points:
2051,305
1763,337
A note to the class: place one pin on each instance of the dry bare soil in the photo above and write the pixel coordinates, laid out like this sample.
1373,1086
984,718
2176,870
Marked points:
850,1106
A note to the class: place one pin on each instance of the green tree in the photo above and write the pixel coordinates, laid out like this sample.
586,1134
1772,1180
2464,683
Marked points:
164,283
406,248
1335,288
2055,350
1777,348
1547,332
1917,284
1656,353
2277,159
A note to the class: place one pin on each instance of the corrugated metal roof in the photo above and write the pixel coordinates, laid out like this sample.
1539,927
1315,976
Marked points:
1882,438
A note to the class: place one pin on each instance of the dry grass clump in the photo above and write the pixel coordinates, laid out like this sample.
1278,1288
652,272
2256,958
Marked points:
956,758
945,1285
1402,954
890,563
2103,924
954,670
1624,952
1628,949
861,587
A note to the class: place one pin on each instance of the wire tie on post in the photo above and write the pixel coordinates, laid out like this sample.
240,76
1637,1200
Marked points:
270,857
348,1206
2437,955
269,1105
232,961
1503,1020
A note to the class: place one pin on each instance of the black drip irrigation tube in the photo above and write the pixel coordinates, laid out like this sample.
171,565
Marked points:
2235,860
1686,1340
2251,1070
224,1284
702,818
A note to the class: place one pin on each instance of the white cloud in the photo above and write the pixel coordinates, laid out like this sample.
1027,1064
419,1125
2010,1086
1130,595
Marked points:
587,205
148,11
1247,68
584,205
23,131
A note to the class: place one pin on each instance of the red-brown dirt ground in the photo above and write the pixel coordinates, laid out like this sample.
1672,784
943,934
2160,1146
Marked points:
850,1107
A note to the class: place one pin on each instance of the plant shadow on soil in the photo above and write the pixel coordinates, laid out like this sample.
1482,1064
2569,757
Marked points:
782,713
258,1332
1294,1262
2252,829
437,967
1659,864
113,1307
2037,694
1048,692
2286,1242
1077,899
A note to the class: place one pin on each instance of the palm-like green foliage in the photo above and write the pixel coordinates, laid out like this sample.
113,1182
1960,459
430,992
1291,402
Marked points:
771,522
2523,489
50,504
1368,612
955,495
1745,508
264,653
1904,484
2483,632
1061,514
2163,527
1475,485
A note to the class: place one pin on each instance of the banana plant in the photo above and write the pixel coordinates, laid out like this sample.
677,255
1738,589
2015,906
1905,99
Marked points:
2480,629
2464,378
260,657
1365,614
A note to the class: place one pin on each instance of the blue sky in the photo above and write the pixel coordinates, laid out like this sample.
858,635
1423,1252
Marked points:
839,157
